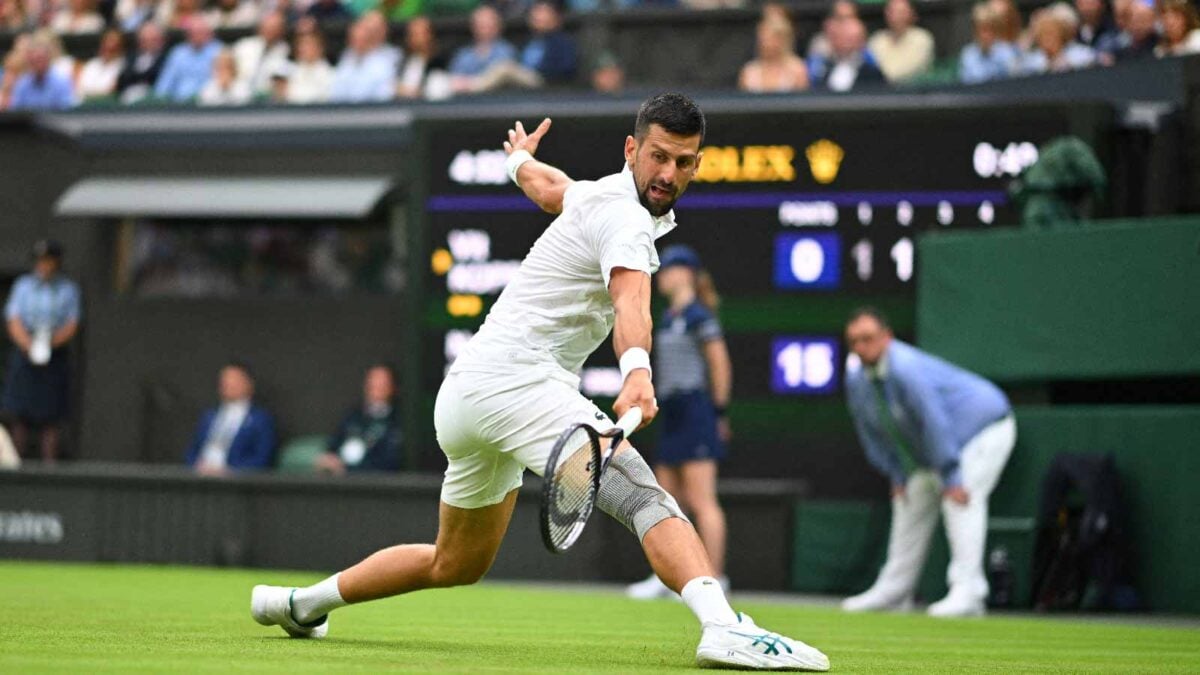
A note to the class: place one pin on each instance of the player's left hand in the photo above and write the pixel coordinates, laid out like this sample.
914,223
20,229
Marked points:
638,391
519,140
957,494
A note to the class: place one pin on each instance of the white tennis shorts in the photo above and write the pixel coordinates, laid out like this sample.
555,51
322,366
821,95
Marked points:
494,426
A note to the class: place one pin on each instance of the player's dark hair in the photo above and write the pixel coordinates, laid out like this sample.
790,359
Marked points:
869,312
675,113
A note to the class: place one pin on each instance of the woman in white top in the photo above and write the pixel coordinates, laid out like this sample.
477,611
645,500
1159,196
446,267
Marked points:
80,16
1180,29
777,68
311,79
98,78
224,87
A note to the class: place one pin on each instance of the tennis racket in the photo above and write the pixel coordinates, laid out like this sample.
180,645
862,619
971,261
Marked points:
572,478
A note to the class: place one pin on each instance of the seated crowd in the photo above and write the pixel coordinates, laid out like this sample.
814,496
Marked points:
239,434
287,60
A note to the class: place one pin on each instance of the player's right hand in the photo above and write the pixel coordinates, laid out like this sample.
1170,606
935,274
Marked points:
638,391
519,140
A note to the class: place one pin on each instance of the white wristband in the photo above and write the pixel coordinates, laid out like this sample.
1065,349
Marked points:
633,359
514,162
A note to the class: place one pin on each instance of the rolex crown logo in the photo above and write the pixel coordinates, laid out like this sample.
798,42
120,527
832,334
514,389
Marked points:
824,160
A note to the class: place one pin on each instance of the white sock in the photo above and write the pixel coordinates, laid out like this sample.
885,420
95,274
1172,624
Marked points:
314,602
705,598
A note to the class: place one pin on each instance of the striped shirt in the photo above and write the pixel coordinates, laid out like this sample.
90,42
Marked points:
679,363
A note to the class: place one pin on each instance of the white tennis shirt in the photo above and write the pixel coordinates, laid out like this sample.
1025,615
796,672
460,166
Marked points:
557,310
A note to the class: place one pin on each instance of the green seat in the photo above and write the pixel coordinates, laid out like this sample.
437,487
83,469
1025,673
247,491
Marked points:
298,454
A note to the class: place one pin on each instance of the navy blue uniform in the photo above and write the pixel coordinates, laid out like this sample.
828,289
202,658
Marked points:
687,417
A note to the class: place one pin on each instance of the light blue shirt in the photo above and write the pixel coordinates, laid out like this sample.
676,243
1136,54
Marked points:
186,71
1073,57
936,406
51,92
975,65
467,61
369,77
39,304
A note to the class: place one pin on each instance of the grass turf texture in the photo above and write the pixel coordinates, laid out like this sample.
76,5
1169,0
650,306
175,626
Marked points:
88,618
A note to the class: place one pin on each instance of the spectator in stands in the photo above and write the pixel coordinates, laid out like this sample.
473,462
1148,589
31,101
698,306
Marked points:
1054,29
225,87
487,50
367,69
1141,35
551,53
42,317
424,71
512,9
189,65
818,48
608,77
368,438
80,16
15,65
1096,27
988,57
941,436
328,11
1009,21
903,50
260,55
237,434
98,78
13,18
849,66
233,13
177,14
143,65
777,68
1180,28
310,79
42,87
130,15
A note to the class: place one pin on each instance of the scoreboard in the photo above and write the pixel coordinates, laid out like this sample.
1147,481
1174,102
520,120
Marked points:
800,216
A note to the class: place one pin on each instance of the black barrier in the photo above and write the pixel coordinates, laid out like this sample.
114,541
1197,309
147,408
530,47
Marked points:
123,513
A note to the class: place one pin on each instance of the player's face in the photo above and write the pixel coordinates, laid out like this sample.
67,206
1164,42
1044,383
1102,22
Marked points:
868,339
663,164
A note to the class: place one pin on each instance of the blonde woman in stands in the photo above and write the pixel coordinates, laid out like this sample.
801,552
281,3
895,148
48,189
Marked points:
1055,49
225,88
80,16
777,69
1180,29
311,77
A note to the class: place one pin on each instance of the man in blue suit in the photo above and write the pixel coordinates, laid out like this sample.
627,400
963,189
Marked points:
941,435
236,435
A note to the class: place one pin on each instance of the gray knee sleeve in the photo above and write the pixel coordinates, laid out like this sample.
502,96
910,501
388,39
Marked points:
630,493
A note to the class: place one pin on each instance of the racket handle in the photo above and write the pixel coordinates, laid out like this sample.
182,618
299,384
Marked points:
630,420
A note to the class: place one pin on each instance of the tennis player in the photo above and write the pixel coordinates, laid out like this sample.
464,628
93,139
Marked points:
693,380
515,387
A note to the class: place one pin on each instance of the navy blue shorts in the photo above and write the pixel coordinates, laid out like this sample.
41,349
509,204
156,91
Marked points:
688,429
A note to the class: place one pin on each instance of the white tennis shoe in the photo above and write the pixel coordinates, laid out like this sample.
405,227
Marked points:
745,645
272,606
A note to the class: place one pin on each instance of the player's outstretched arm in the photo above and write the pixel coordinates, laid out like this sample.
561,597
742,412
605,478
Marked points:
632,334
542,183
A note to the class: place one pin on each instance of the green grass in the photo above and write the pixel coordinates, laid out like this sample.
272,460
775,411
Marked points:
88,618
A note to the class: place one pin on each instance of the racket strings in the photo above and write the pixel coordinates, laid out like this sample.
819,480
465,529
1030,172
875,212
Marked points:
574,493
